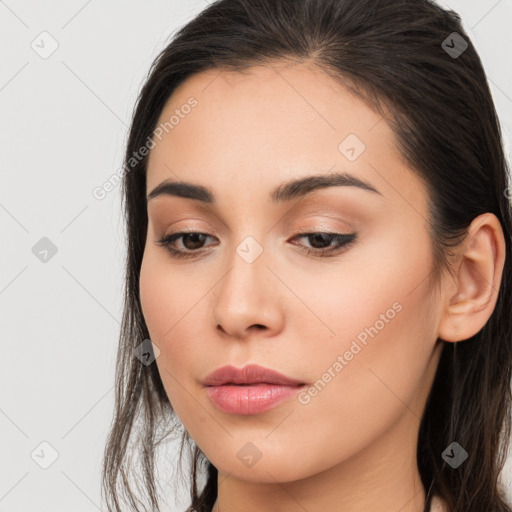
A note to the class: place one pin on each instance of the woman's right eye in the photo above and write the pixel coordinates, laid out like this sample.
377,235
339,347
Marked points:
194,240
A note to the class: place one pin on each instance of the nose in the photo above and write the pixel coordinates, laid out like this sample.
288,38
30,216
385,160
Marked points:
248,301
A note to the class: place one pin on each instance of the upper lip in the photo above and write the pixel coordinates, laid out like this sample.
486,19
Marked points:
250,374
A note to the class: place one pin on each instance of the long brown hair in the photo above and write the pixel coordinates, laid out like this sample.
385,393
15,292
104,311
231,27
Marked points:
404,60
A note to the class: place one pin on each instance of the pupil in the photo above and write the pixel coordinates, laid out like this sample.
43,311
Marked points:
319,237
194,238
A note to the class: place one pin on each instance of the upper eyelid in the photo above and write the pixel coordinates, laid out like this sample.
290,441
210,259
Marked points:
304,231
305,211
322,223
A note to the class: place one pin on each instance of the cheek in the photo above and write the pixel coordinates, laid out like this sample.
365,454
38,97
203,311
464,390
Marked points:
172,303
169,297
154,297
367,295
373,328
360,388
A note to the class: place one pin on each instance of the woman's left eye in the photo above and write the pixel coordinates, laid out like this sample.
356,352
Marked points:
341,240
195,241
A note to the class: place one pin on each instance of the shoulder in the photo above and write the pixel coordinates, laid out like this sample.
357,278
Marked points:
438,505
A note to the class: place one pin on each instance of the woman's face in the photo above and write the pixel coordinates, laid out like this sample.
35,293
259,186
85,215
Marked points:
358,325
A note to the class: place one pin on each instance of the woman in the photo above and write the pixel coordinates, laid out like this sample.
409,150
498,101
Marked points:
319,268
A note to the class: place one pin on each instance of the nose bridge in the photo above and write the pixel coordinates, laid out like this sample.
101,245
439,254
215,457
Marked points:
250,244
244,297
247,261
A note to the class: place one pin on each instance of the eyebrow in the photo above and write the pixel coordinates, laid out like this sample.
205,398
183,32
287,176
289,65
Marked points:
285,192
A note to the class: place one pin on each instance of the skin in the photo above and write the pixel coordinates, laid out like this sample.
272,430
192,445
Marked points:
353,446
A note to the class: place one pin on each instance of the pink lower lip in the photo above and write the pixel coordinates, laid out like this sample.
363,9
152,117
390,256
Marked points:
250,399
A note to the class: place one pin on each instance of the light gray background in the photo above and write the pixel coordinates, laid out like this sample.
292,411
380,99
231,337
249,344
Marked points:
64,125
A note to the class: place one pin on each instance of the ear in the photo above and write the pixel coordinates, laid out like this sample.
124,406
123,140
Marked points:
471,295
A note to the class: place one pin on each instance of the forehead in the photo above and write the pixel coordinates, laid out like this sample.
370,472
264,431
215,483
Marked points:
256,129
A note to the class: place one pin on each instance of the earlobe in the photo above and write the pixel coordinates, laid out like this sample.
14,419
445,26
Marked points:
474,291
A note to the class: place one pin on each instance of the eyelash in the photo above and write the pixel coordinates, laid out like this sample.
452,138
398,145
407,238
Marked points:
343,241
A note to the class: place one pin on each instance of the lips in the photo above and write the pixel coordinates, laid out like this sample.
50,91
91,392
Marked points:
250,374
250,390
